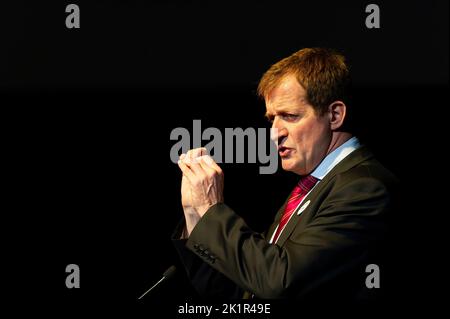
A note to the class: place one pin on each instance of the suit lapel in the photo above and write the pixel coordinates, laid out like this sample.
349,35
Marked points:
353,159
274,225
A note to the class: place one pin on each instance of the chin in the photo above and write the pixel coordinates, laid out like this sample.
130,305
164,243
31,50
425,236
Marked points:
287,165
290,166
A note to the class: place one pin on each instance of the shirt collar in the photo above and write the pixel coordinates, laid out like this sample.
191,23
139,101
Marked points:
332,159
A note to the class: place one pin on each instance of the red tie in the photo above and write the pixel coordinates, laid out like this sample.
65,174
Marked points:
301,189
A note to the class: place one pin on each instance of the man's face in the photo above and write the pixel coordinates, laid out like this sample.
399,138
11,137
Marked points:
303,137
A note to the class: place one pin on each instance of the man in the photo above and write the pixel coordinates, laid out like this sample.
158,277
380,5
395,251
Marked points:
333,224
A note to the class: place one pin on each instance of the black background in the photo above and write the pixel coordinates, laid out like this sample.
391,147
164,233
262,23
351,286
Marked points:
90,113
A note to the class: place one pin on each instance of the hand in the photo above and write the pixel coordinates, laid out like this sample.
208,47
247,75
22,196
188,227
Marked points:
202,183
186,188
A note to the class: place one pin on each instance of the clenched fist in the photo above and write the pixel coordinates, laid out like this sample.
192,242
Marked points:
201,185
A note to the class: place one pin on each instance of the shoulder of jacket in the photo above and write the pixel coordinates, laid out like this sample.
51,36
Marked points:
371,171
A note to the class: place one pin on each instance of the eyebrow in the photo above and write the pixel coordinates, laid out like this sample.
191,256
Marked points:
282,109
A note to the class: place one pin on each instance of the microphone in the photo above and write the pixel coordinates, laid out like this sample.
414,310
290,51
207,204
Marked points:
166,275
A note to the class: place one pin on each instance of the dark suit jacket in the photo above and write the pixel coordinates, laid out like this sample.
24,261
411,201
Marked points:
322,253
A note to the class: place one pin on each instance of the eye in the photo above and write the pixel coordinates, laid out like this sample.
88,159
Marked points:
289,116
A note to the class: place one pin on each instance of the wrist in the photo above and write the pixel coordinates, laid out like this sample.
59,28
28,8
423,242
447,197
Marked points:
191,217
190,211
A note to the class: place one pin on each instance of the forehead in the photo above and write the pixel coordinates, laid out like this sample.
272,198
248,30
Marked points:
287,95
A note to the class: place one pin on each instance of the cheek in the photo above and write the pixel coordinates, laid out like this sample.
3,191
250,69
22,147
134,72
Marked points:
322,139
306,135
309,138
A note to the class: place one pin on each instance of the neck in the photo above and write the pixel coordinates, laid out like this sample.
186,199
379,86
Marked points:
337,139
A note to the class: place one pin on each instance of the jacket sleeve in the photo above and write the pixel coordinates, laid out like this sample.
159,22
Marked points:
347,222
207,281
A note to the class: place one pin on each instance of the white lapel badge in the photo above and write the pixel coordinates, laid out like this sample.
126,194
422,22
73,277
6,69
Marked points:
303,207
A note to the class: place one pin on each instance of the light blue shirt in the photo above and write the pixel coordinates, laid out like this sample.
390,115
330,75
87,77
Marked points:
332,159
327,164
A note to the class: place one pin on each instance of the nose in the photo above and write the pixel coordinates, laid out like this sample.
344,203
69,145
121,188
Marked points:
278,131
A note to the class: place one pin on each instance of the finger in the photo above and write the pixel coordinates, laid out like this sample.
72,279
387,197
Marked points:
201,151
209,169
195,153
197,168
190,157
192,161
186,171
211,163
193,165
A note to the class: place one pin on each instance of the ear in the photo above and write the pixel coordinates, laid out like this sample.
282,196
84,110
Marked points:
336,112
